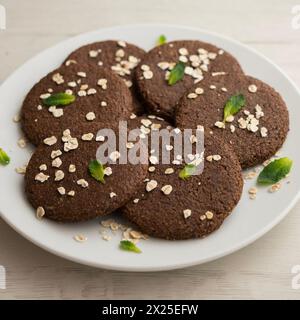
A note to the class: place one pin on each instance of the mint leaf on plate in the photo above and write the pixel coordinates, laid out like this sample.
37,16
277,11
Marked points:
275,171
161,40
4,158
129,246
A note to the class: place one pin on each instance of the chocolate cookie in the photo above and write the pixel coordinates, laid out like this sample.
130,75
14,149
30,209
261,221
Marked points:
203,62
119,56
59,184
171,207
100,96
256,132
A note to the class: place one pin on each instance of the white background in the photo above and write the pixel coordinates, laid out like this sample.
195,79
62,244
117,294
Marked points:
262,270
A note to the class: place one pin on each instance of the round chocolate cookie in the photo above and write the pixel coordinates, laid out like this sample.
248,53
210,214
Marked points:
63,183
119,56
173,207
203,62
100,96
256,132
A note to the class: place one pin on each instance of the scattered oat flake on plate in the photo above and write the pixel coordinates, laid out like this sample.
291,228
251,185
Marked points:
107,223
106,237
275,187
252,193
40,212
16,118
22,142
250,175
21,170
80,238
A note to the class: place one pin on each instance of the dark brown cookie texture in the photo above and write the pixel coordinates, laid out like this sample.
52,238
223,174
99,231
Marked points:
59,185
256,132
172,208
100,96
119,56
203,61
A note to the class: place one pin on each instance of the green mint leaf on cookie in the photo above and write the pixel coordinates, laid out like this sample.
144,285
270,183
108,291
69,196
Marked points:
161,40
4,158
176,73
96,170
233,105
187,171
59,99
129,246
275,171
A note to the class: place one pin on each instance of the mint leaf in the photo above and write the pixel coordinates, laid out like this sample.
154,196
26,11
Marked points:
187,171
129,246
275,171
4,158
176,73
59,99
233,105
161,40
96,170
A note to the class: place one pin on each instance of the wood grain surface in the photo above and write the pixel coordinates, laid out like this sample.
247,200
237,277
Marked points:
263,269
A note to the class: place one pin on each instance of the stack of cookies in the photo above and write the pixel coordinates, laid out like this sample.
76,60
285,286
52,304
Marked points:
175,86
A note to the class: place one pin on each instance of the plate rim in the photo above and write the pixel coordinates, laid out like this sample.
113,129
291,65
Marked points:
178,265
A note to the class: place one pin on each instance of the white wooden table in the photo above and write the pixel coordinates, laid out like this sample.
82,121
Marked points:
262,270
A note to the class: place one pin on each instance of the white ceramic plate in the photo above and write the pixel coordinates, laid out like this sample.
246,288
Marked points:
249,221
